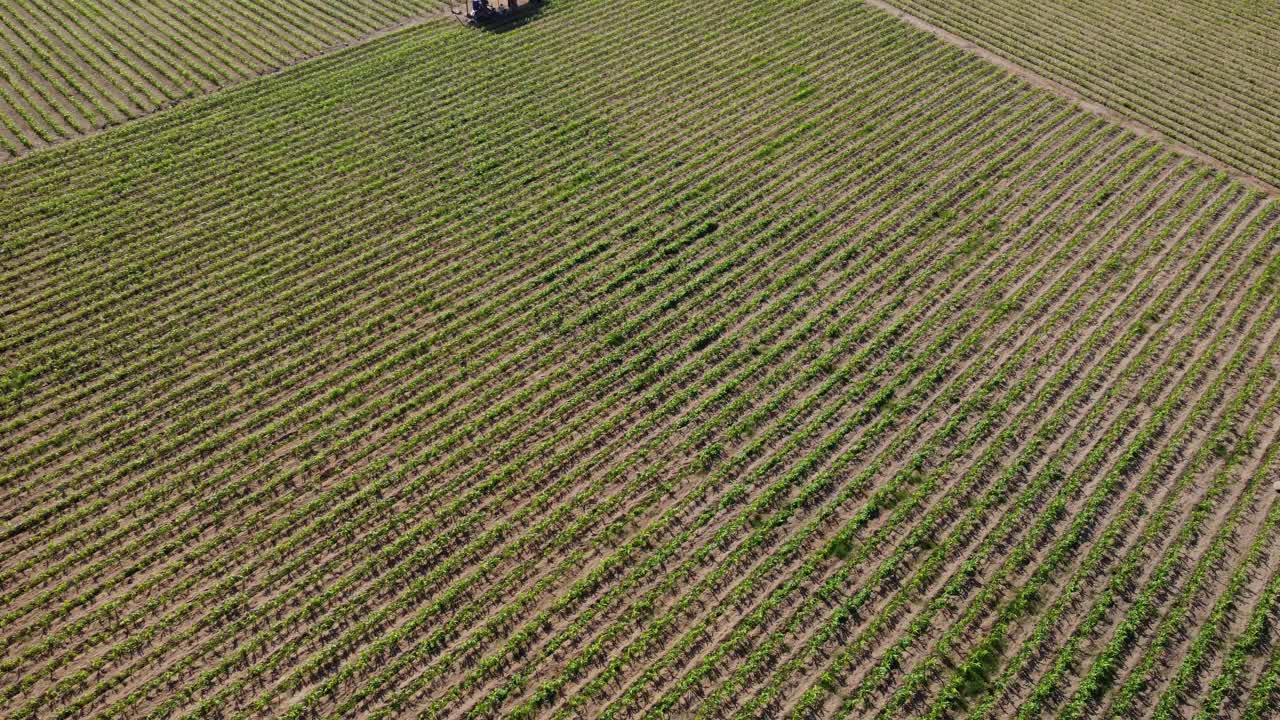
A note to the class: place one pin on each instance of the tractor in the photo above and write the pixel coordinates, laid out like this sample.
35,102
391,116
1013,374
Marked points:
487,12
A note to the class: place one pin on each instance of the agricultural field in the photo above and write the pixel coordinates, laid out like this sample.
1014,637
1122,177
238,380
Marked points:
72,67
640,359
1203,72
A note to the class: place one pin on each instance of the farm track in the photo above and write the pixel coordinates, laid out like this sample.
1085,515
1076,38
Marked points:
71,69
1200,73
630,375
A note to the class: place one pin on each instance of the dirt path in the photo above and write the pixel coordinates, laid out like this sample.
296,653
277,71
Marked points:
441,14
1037,80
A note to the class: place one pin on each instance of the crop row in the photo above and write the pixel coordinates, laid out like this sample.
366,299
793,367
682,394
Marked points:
664,367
